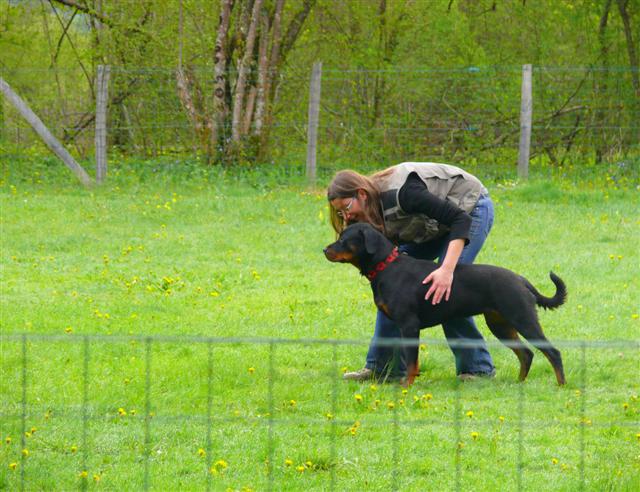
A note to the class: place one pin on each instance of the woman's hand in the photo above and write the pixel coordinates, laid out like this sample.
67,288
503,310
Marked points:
441,280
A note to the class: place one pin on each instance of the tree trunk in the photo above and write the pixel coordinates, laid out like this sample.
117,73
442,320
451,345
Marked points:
220,107
248,111
600,88
379,81
279,50
263,66
238,103
631,47
191,98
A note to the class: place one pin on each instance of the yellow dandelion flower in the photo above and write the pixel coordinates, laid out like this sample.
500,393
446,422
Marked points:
625,406
358,398
501,419
8,440
219,467
293,403
563,466
635,316
554,461
83,474
470,413
96,477
33,430
391,405
329,416
474,435
25,452
288,462
405,391
638,436
201,452
251,370
428,396
343,369
460,445
300,468
68,329
122,412
423,347
74,449
308,464
373,388
13,466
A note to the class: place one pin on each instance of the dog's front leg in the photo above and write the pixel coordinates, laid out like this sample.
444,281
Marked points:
410,330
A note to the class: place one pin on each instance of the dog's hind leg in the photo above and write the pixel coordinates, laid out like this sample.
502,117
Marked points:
529,327
508,335
550,352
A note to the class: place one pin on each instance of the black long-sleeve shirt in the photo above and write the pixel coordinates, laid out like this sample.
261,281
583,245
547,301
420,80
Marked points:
415,198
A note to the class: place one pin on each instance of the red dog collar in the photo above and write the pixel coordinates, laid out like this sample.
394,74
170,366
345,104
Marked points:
382,265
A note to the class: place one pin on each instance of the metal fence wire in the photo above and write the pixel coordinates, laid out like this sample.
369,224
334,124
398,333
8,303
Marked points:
205,413
367,116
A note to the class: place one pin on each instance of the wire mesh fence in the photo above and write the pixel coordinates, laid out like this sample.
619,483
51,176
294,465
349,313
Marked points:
466,115
207,413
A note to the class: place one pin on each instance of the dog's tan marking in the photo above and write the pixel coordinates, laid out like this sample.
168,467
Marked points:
384,308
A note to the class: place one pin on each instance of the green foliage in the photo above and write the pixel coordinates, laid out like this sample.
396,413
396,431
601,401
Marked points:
413,80
182,252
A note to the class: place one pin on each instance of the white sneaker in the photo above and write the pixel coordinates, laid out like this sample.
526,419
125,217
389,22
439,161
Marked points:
363,374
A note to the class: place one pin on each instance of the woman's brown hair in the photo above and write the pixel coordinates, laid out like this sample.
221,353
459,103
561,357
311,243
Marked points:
345,184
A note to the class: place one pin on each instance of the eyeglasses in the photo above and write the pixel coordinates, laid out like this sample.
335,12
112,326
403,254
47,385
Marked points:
342,213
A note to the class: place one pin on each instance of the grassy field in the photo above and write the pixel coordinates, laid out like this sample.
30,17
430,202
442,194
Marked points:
183,330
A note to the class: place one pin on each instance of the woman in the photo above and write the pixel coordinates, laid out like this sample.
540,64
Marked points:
431,211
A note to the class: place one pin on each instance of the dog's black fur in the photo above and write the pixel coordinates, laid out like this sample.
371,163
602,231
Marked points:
507,300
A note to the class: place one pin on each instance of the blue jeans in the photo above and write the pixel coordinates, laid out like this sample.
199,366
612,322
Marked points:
474,360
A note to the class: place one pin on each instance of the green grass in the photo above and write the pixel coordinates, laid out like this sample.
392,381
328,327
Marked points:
158,267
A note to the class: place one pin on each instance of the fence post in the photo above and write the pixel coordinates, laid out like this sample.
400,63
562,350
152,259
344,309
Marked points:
43,132
526,112
314,114
102,89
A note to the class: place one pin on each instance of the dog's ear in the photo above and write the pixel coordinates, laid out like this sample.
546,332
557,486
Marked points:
372,239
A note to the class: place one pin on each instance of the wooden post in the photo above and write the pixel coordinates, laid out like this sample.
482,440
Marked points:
314,115
102,90
44,133
526,113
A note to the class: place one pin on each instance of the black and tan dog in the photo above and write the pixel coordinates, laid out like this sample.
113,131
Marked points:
507,300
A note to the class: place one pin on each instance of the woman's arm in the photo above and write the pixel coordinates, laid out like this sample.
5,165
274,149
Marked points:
442,278
415,198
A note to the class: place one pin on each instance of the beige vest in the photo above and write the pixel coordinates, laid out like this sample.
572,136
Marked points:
444,181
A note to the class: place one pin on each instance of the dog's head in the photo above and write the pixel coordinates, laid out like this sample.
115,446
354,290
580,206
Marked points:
361,245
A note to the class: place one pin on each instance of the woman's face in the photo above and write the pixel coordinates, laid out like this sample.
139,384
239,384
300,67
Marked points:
350,209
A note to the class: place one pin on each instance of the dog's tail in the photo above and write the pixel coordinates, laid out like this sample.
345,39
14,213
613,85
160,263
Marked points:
550,302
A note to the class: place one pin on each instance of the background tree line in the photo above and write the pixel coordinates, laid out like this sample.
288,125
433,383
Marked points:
228,79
